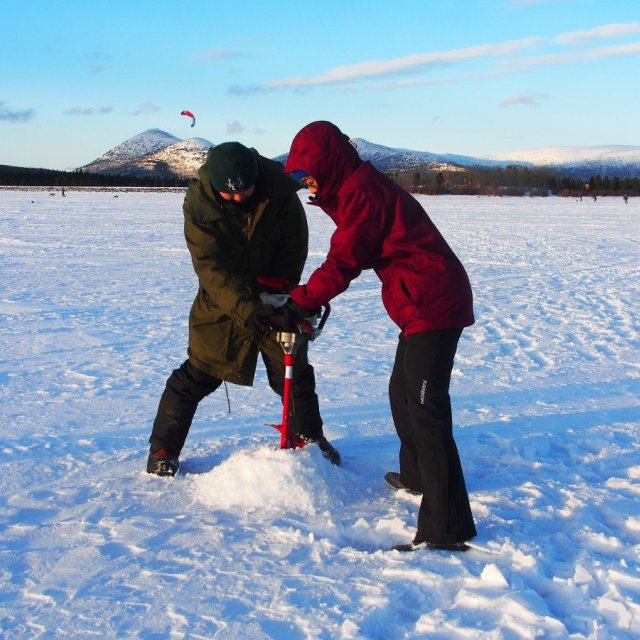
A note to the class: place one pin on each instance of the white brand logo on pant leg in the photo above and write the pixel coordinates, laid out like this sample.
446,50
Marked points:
423,391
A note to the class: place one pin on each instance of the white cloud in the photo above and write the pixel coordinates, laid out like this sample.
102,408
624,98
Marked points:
533,100
88,111
246,91
616,30
618,51
380,75
146,107
585,55
374,68
215,54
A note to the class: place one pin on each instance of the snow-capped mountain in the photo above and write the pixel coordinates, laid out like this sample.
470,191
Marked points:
389,158
153,152
579,161
182,158
613,160
398,159
132,149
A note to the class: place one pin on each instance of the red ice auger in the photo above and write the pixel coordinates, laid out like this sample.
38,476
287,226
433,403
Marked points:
306,329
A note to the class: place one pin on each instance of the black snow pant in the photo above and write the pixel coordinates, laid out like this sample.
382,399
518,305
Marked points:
188,385
429,460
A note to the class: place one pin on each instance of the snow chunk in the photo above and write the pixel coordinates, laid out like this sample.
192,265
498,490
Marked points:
385,530
581,575
493,577
614,612
268,481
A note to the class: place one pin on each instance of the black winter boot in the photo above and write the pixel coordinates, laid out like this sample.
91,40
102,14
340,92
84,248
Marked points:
392,478
432,546
163,463
327,449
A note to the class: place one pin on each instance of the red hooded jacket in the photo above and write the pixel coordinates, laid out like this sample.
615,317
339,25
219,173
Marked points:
379,226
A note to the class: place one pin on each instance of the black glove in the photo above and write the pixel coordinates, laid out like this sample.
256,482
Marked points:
258,319
286,317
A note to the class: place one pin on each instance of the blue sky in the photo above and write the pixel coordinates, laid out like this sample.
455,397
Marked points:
477,77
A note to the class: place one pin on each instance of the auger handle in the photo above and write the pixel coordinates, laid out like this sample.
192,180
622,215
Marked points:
323,319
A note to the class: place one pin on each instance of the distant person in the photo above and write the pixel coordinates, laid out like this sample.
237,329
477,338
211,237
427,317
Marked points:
242,220
425,291
625,197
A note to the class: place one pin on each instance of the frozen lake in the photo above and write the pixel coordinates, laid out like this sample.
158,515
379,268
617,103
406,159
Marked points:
251,542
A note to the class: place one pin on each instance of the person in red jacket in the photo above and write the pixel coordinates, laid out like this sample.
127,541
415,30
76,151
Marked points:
426,292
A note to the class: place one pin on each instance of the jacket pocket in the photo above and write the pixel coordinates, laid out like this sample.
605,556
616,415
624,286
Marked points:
397,298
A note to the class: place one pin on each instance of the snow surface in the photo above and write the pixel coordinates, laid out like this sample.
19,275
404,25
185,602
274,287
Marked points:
253,542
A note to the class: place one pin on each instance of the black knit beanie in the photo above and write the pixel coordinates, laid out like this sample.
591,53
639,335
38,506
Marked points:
231,167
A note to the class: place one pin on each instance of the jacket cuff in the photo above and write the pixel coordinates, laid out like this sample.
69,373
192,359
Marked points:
298,295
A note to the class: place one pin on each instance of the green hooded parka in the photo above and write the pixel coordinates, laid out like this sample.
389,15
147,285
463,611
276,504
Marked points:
229,252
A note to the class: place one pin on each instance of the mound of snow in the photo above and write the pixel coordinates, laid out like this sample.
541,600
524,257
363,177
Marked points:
267,481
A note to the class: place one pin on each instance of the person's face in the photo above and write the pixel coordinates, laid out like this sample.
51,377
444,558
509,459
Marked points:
238,196
310,183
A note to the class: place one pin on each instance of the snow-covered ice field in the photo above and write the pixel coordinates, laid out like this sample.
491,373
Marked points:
252,542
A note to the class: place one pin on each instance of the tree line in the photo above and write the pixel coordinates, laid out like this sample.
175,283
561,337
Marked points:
496,181
26,177
511,180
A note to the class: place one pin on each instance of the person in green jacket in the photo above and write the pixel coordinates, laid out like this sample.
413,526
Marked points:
243,221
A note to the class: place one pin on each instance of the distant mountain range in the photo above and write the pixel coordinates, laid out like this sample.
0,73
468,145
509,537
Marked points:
156,152
622,161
